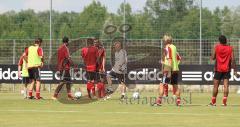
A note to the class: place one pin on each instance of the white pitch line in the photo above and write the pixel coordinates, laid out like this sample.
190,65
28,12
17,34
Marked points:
137,113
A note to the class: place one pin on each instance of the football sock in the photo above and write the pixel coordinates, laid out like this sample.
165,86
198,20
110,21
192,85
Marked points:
165,87
38,94
30,93
159,100
224,101
178,101
213,100
90,88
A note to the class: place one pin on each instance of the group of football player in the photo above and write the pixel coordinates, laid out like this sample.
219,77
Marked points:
94,57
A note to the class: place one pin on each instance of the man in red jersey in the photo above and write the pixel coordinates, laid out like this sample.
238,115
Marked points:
100,68
64,63
90,58
224,56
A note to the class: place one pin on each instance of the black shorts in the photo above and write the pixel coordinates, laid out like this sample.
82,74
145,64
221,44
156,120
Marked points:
100,77
120,77
65,76
174,78
221,75
90,75
25,80
34,73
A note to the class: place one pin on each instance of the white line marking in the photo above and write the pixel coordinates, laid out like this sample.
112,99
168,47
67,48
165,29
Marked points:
191,72
49,72
192,76
137,113
191,79
47,75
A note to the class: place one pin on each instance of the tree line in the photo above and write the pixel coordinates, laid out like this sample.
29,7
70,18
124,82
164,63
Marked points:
180,18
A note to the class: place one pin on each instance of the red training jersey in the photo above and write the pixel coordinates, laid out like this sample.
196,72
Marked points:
90,55
223,57
20,62
63,54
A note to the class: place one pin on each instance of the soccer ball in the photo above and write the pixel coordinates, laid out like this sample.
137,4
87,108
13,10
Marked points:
136,95
22,91
78,95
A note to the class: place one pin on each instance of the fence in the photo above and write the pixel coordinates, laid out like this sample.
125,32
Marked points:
11,50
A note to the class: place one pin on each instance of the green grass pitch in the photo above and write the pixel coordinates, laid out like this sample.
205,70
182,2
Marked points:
16,112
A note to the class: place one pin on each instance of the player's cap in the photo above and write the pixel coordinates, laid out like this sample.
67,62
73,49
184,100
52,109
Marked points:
65,39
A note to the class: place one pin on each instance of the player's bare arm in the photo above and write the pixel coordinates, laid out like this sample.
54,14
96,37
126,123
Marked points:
233,63
213,55
104,61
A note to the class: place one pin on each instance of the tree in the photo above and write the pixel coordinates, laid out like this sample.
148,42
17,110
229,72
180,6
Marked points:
189,27
142,28
164,13
91,20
